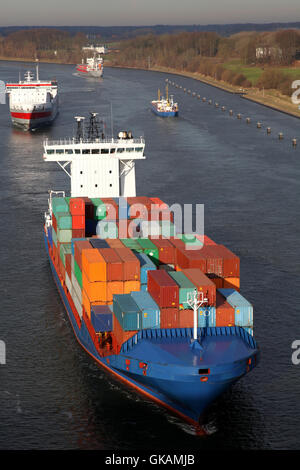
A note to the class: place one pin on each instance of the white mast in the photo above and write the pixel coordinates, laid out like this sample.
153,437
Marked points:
195,300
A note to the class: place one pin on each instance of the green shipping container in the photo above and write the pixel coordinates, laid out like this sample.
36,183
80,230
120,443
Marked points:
149,249
64,220
59,204
190,239
186,287
65,249
132,244
64,235
54,236
99,208
78,273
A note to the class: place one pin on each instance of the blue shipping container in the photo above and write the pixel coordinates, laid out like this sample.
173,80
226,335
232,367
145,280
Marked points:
206,316
49,231
243,315
127,312
149,308
99,243
101,318
146,265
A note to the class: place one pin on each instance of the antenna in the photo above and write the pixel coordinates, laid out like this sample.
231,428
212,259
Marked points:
37,69
93,129
111,121
79,135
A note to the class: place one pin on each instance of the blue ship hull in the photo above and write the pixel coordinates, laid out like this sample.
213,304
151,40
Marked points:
164,113
161,364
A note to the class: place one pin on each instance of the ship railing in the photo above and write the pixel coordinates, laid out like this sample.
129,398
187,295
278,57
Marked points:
91,141
158,333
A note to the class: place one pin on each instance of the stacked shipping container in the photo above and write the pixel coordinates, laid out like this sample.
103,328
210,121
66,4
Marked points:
119,286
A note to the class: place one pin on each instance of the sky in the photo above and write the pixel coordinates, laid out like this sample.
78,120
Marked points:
146,12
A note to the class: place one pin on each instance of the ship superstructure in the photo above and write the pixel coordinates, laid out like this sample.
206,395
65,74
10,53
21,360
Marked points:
33,102
165,319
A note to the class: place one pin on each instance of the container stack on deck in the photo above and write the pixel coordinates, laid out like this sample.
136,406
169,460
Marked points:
119,284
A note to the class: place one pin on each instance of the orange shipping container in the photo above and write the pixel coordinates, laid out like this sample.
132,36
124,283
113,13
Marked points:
86,302
232,283
94,265
114,287
131,286
96,291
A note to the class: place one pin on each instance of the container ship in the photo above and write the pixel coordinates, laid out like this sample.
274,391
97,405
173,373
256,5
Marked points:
32,102
164,107
160,310
93,67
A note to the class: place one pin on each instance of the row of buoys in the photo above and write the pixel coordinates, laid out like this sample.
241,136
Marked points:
223,108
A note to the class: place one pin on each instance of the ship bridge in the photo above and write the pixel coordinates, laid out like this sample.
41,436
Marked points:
97,166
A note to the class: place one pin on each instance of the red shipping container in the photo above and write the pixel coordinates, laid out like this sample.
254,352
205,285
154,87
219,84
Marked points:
131,264
205,239
225,313
80,245
140,207
112,208
231,262
77,206
163,289
68,257
78,233
159,202
166,251
120,335
185,318
54,222
114,242
114,264
191,259
179,244
78,222
169,317
202,284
